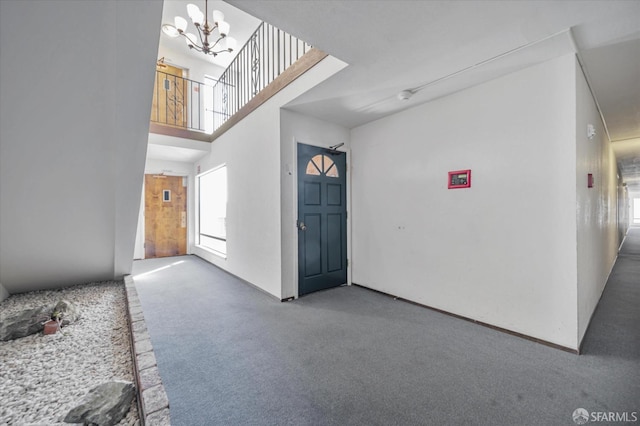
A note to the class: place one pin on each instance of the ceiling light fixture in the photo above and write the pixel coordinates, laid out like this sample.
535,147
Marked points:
405,95
205,28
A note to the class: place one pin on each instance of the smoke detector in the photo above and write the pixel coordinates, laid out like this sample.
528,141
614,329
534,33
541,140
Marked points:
405,95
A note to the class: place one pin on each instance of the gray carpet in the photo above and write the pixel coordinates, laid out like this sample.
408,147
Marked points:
231,355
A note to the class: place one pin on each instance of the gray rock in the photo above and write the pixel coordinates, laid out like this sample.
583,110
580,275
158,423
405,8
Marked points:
70,312
27,322
104,405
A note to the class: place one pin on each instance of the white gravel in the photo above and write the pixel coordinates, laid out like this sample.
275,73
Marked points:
43,377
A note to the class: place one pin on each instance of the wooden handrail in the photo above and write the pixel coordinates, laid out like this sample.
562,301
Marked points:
178,132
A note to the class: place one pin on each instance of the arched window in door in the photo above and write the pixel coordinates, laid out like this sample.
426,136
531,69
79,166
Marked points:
321,165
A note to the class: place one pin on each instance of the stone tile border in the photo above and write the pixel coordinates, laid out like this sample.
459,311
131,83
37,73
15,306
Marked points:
153,404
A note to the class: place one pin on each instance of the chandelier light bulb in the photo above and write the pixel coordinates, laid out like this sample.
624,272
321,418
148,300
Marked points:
170,30
223,28
199,19
217,16
192,10
181,23
196,15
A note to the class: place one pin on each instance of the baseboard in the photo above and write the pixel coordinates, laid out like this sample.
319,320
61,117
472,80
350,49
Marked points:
623,240
484,324
241,279
586,330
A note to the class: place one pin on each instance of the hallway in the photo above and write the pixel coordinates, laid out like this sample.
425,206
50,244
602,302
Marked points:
615,328
232,355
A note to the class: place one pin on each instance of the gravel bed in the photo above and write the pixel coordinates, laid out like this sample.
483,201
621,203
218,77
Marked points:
43,377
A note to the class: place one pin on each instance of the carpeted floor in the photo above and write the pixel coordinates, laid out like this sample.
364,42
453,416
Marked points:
232,355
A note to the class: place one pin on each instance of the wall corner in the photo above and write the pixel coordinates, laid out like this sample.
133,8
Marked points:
3,293
596,202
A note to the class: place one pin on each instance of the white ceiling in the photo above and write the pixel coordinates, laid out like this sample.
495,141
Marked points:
174,153
450,45
168,148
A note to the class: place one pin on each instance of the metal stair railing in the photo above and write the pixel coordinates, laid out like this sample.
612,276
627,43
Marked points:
267,54
181,103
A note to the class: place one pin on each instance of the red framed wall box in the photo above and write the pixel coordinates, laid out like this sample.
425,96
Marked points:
460,179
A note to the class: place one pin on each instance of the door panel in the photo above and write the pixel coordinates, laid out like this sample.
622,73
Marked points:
334,236
334,194
312,194
312,245
322,219
165,213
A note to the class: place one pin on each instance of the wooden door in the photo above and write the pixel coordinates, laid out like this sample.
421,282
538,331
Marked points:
165,216
169,96
322,219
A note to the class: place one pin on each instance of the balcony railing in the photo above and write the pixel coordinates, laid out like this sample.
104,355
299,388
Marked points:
186,104
267,53
180,102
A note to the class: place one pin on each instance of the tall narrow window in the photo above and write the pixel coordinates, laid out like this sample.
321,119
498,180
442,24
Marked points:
212,194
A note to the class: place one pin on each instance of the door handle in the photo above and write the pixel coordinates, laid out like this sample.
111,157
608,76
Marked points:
302,226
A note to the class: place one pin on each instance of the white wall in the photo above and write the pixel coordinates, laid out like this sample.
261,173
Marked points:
623,210
501,252
298,128
597,238
169,168
133,79
251,151
74,121
3,293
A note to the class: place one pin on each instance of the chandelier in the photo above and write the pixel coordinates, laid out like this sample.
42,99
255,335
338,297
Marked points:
206,41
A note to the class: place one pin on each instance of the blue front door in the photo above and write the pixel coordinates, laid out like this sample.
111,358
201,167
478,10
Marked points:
322,219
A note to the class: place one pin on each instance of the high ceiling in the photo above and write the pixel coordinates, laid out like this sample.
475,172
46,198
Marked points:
440,47
436,48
